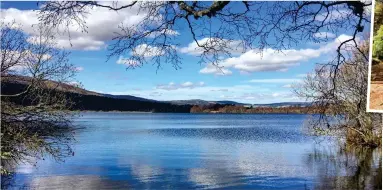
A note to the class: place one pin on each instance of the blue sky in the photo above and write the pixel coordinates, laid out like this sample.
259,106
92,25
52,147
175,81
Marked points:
248,77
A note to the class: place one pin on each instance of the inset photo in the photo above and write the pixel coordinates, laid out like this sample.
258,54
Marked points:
376,84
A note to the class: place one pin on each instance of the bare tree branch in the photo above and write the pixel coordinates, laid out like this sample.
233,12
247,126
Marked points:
255,25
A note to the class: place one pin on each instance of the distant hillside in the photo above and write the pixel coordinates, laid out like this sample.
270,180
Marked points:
128,97
227,102
88,100
24,80
238,109
202,102
281,104
190,102
92,101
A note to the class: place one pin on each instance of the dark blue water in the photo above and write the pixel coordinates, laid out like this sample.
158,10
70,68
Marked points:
184,151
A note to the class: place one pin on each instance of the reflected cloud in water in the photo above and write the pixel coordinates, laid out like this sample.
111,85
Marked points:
169,152
145,173
76,182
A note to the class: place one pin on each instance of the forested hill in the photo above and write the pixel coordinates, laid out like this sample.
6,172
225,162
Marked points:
92,101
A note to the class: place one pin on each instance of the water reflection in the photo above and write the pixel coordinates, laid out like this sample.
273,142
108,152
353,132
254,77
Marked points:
145,173
228,151
346,167
236,133
76,182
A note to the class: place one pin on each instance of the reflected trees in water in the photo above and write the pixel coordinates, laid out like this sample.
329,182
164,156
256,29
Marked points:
346,167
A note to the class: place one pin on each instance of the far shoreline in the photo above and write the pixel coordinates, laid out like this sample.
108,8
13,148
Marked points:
205,113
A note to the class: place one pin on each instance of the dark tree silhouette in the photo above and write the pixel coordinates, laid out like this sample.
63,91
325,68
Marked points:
43,127
343,110
239,26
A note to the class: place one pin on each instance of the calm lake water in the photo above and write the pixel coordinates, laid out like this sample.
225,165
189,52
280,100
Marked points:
205,151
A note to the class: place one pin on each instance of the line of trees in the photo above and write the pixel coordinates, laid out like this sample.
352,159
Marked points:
217,108
90,102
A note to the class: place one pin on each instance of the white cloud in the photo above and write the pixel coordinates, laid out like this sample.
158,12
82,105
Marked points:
145,50
79,68
127,61
272,60
174,86
274,80
260,97
101,22
302,75
240,93
331,47
187,84
80,43
24,18
277,81
212,69
220,90
167,32
142,50
234,46
324,35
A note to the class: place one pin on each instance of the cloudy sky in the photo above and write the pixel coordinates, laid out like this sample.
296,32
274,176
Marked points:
246,77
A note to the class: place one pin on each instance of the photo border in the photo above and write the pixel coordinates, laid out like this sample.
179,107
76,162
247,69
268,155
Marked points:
370,61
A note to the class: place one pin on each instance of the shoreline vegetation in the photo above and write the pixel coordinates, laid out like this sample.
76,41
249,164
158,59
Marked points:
210,112
230,109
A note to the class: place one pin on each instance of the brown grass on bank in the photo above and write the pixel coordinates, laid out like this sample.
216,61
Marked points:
376,86
376,95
